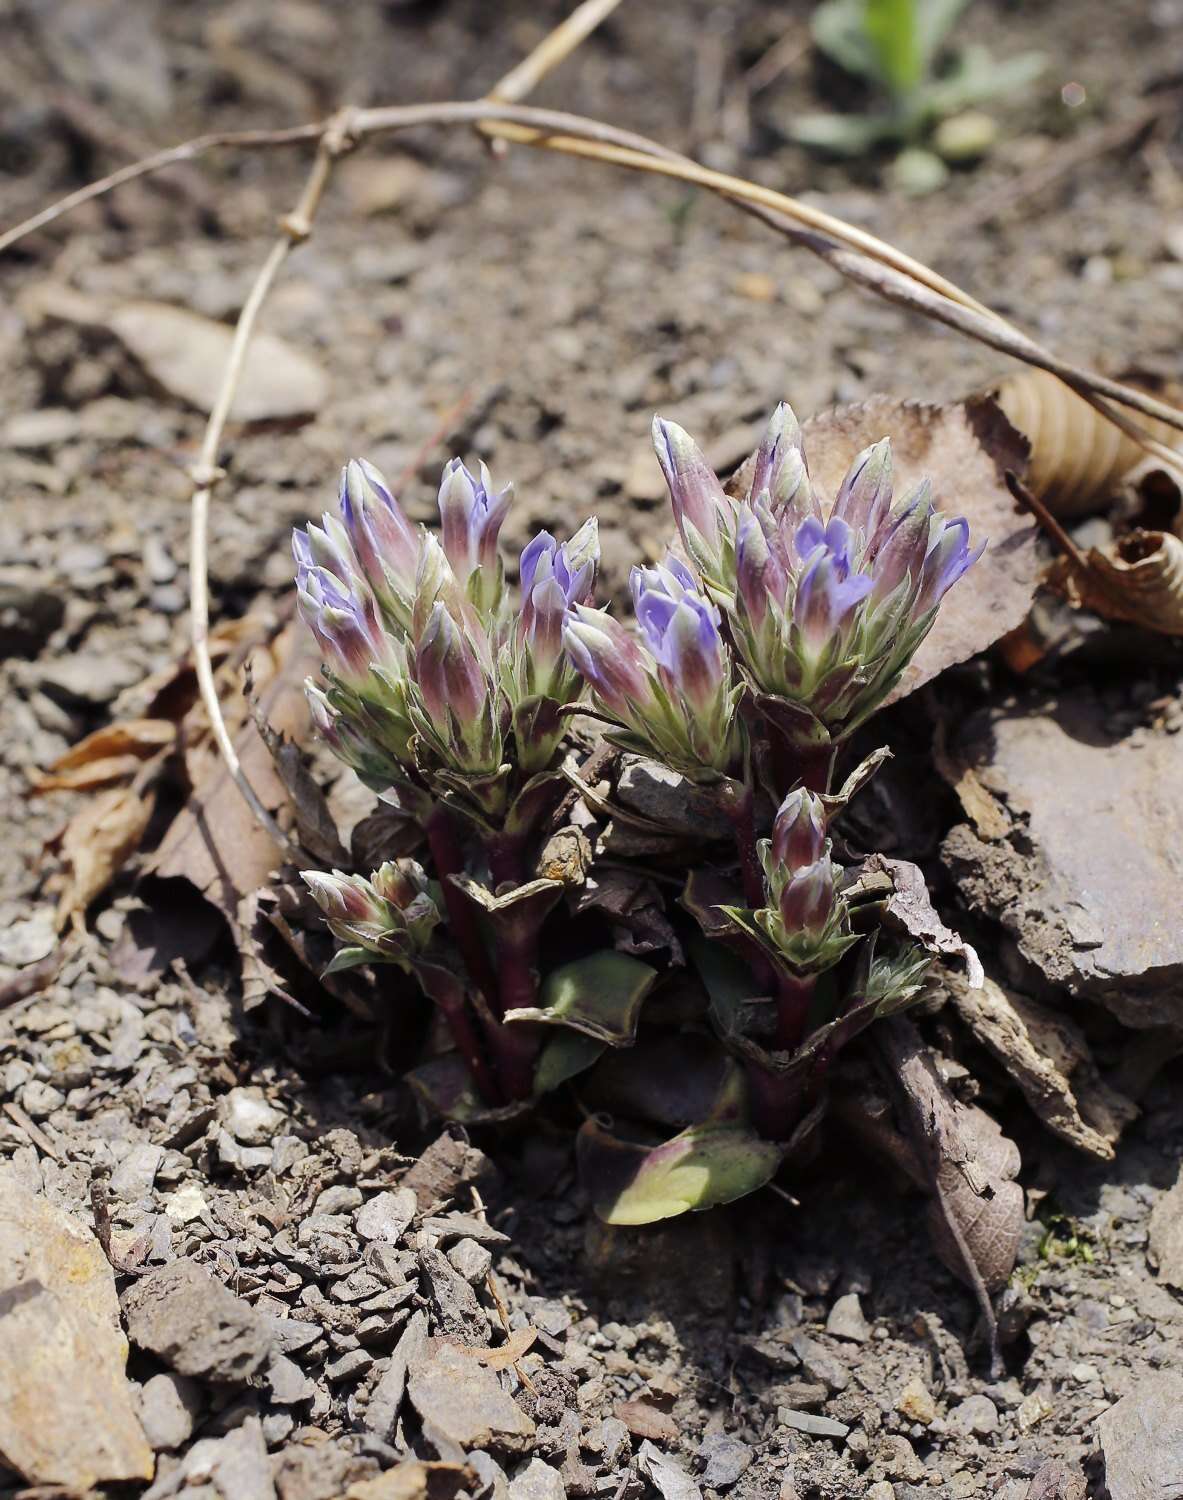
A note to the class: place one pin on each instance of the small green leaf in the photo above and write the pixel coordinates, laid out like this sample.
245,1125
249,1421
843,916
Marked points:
599,996
728,981
843,135
839,30
893,32
565,1054
700,1168
350,958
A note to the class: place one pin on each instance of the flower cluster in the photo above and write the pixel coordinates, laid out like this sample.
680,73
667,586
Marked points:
427,666
388,918
806,922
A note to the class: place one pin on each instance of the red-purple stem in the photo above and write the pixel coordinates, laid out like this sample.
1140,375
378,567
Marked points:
448,857
793,999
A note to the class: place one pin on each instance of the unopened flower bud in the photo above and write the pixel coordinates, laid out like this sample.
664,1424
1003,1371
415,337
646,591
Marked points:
391,915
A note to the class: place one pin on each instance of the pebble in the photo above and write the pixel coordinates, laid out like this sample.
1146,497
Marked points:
916,1403
819,1364
387,1216
339,1199
196,1325
250,1119
727,1457
470,1260
39,1100
807,1421
846,1320
348,1366
168,1406
132,1179
976,1414
537,1481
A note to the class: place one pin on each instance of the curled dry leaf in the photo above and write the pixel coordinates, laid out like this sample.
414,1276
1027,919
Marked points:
98,841
109,754
315,828
1137,579
965,449
1078,459
910,910
1049,1058
977,1207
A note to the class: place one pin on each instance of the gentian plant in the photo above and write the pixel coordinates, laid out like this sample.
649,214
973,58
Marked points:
778,622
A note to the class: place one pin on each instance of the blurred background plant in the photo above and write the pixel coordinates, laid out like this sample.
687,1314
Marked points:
923,103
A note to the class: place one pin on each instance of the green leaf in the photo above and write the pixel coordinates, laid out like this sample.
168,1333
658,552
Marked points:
350,958
934,21
894,35
565,1054
977,78
843,135
839,31
699,1168
599,996
728,981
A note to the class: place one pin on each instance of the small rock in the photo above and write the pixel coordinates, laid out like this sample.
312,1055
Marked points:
1141,1439
94,678
449,1227
846,1320
249,1118
237,1464
1059,1479
288,1384
196,1325
463,1400
668,1476
976,1414
644,1420
882,1489
348,1366
387,1216
341,1198
807,1421
132,1179
66,1413
819,1364
915,1403
470,1260
727,1457
169,1405
382,1412
39,1100
493,1484
454,1306
611,1441
537,1481
898,1458
1165,1249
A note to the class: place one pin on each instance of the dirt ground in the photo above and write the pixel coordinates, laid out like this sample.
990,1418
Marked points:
533,312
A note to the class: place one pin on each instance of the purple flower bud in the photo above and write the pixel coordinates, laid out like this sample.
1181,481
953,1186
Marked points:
780,479
828,593
699,503
470,518
902,543
345,623
391,915
799,831
948,558
609,659
681,628
807,900
452,681
384,541
864,497
760,574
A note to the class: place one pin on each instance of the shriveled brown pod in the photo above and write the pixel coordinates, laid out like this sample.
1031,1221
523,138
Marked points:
1078,459
1138,578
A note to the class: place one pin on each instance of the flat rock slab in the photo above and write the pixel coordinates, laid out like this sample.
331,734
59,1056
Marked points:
462,1399
1074,845
196,1325
66,1411
1142,1441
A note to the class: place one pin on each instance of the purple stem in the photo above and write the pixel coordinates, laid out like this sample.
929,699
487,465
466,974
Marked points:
793,999
448,857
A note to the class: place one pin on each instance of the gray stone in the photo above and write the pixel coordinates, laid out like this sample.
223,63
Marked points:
169,1405
666,1474
449,1227
454,1306
819,1364
1165,1249
807,1421
250,1118
1141,1439
612,1441
288,1384
462,1400
132,1179
341,1198
727,1457
470,1260
351,1365
537,1481
196,1325
387,1217
976,1414
493,1485
382,1412
846,1320
39,1100
237,1465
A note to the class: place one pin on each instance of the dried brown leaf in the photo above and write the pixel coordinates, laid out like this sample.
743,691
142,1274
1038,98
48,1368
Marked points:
1049,1058
965,449
99,840
519,1342
977,1208
215,842
1137,579
109,754
315,826
1078,459
910,910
